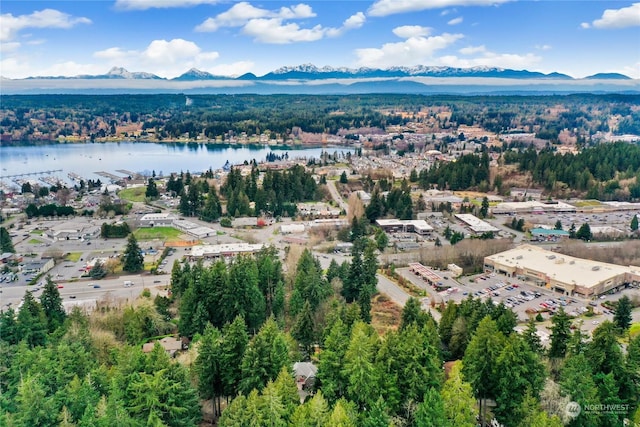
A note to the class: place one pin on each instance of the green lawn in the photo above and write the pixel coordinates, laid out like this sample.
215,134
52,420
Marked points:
634,330
73,256
163,233
135,194
584,203
34,241
38,232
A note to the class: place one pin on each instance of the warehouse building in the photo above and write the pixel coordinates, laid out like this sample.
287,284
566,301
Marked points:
562,273
418,226
221,251
476,225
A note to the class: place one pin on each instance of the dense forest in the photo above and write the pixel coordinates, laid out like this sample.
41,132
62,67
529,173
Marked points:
249,321
218,116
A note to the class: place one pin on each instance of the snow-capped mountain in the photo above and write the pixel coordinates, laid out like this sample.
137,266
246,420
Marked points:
306,72
194,74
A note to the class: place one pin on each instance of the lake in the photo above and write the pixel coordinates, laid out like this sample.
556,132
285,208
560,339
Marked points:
163,158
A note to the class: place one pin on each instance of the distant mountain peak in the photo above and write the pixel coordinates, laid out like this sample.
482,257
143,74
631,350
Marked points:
608,76
123,73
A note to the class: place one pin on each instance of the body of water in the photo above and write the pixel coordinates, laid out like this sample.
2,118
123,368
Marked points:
163,158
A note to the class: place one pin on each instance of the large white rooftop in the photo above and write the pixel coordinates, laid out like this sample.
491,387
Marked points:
224,249
559,267
476,224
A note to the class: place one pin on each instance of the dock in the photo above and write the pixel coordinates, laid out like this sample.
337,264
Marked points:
126,172
109,175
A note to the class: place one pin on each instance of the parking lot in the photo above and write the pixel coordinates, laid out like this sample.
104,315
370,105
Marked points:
523,297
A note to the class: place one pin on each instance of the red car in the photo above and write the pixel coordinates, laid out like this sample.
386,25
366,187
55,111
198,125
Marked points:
60,286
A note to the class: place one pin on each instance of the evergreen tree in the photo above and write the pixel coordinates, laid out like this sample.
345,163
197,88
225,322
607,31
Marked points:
314,413
558,225
6,245
531,337
208,366
412,314
309,285
132,259
359,368
330,375
560,334
152,190
576,381
457,398
480,362
52,305
521,372
343,178
212,210
484,209
431,412
303,328
32,323
233,345
584,232
622,316
634,223
266,354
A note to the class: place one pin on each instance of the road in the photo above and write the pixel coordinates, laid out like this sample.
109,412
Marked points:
399,295
331,185
83,291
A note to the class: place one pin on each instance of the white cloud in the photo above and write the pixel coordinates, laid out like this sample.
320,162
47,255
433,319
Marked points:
234,69
470,50
456,21
274,31
543,47
272,26
354,21
413,51
241,13
407,31
632,71
47,18
391,7
159,4
490,59
161,57
617,18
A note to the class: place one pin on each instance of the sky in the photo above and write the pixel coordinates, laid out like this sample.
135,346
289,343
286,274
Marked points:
230,38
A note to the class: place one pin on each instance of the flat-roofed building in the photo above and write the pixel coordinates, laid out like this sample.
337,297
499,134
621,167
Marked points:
418,226
157,220
476,225
224,250
545,234
533,206
562,273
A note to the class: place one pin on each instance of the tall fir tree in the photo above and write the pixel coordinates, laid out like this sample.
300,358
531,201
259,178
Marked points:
52,305
132,259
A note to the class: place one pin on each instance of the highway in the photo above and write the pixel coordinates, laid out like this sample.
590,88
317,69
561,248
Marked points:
84,292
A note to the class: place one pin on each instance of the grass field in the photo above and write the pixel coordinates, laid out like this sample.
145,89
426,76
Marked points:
135,194
584,203
162,233
634,330
38,232
34,241
73,256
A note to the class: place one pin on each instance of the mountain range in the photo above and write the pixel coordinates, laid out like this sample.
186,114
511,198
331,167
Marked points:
311,72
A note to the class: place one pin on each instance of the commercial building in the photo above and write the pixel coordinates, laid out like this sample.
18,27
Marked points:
562,273
476,225
291,228
546,235
514,208
157,220
223,250
418,226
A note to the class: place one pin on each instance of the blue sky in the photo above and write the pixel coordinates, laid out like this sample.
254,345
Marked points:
168,37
